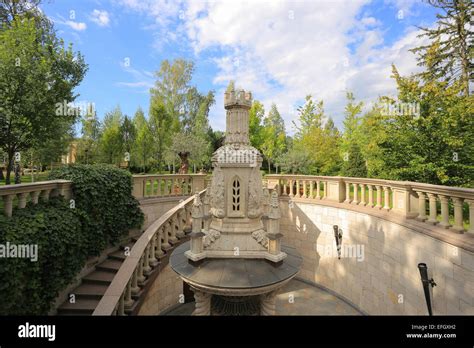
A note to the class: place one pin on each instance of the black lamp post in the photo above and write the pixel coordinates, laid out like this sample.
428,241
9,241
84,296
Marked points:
426,283
338,237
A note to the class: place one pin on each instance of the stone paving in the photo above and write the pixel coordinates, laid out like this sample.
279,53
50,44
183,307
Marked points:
297,298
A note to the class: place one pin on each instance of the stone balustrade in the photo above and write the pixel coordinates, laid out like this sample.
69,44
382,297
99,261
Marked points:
423,202
23,193
145,255
167,185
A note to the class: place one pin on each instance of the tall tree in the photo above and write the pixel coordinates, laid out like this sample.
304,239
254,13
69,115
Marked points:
450,51
256,116
142,147
274,143
36,74
111,142
351,123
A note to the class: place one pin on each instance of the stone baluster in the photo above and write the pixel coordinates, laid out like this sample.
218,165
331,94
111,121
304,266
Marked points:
298,194
197,214
159,251
128,301
35,197
172,222
152,255
348,193
386,194
362,195
179,222
471,215
146,261
318,189
356,194
144,188
166,244
135,289
158,187
22,200
371,196
433,210
458,222
304,189
379,197
444,211
121,306
8,204
140,276
291,188
421,206
284,188
311,185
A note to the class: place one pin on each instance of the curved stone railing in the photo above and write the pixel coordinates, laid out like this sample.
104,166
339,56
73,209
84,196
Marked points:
166,185
145,255
403,198
33,191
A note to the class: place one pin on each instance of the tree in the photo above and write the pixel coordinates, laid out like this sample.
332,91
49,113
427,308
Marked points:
128,134
435,146
295,161
162,129
188,146
256,115
450,51
355,165
274,137
143,143
351,123
36,74
111,142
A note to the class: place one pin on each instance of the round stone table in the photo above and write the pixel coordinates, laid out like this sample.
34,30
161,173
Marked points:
234,280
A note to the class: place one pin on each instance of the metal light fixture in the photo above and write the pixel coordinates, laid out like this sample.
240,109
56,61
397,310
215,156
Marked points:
426,283
338,237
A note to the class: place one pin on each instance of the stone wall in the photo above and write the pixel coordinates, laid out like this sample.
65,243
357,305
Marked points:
384,277
165,292
154,208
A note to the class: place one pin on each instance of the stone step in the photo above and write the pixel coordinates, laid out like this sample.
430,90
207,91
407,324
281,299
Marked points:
99,277
80,307
90,290
118,255
110,265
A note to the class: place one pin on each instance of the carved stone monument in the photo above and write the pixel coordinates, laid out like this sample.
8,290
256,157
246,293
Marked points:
235,260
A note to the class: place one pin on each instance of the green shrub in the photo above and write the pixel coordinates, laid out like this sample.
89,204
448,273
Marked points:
28,287
66,236
104,192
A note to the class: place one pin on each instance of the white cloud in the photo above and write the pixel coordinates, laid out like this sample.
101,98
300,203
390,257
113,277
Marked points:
282,51
78,26
101,18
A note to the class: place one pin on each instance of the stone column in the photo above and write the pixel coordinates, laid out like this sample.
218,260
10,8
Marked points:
458,223
444,211
268,303
379,197
371,196
8,205
471,215
304,189
203,302
362,195
356,194
433,210
298,188
421,206
318,188
386,194
311,194
348,193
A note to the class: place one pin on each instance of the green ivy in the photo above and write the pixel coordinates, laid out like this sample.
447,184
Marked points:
104,211
104,192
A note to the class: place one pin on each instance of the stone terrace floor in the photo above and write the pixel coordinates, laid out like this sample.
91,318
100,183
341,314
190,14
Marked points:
307,300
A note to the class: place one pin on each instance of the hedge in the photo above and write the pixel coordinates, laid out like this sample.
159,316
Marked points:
66,235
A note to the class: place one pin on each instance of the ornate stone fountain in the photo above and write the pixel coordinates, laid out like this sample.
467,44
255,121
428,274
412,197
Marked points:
234,262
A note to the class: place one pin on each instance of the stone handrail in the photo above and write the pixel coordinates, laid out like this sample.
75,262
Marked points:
166,185
143,257
40,189
404,198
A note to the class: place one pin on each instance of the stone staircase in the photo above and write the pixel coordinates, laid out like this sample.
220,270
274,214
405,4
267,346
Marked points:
93,286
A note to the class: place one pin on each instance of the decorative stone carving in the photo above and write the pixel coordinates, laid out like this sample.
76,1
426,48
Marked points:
217,193
268,303
211,237
260,237
254,207
203,302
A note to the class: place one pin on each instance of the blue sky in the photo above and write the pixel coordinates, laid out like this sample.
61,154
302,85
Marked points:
280,50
